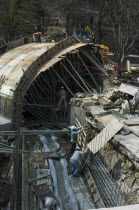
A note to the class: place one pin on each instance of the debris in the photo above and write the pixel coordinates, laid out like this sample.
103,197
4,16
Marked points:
125,107
131,90
95,97
118,102
79,95
112,93
87,102
105,102
125,130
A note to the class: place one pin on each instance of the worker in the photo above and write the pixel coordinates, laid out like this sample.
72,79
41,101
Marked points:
75,127
75,161
135,101
63,97
37,35
51,204
74,135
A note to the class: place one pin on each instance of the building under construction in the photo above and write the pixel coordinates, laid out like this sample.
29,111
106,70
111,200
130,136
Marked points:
35,134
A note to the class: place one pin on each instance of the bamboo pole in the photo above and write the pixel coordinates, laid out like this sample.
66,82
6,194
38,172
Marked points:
73,78
78,74
88,70
63,82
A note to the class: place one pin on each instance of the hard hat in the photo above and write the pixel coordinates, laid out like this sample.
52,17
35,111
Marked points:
62,87
73,127
77,148
49,201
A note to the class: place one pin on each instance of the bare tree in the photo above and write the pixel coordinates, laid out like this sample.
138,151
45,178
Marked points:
119,21
77,13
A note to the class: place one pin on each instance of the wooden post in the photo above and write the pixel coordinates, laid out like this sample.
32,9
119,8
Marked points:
24,176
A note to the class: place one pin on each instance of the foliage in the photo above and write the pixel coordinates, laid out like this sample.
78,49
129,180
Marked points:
14,14
116,21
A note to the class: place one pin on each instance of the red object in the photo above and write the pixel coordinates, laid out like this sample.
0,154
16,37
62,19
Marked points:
116,73
109,61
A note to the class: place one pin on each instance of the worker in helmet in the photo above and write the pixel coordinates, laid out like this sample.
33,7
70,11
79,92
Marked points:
63,98
37,35
74,136
51,204
75,161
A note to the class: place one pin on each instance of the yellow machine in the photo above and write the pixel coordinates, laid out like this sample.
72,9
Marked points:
104,50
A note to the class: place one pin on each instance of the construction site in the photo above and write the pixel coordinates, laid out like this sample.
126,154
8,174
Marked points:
35,132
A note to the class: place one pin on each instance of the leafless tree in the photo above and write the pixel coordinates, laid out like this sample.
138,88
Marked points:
77,13
120,22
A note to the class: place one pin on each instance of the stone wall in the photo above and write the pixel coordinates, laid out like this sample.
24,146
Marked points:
123,171
121,164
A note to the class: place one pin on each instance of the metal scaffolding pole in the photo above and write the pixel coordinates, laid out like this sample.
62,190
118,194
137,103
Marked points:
73,78
88,70
78,74
63,82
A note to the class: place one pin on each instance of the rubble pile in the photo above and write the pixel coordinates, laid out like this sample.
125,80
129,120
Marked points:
120,154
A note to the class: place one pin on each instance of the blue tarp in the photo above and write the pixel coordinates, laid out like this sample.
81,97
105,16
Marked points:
76,33
85,35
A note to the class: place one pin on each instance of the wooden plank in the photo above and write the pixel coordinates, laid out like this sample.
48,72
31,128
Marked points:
24,177
104,102
104,136
36,179
131,122
33,132
81,136
52,156
135,130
